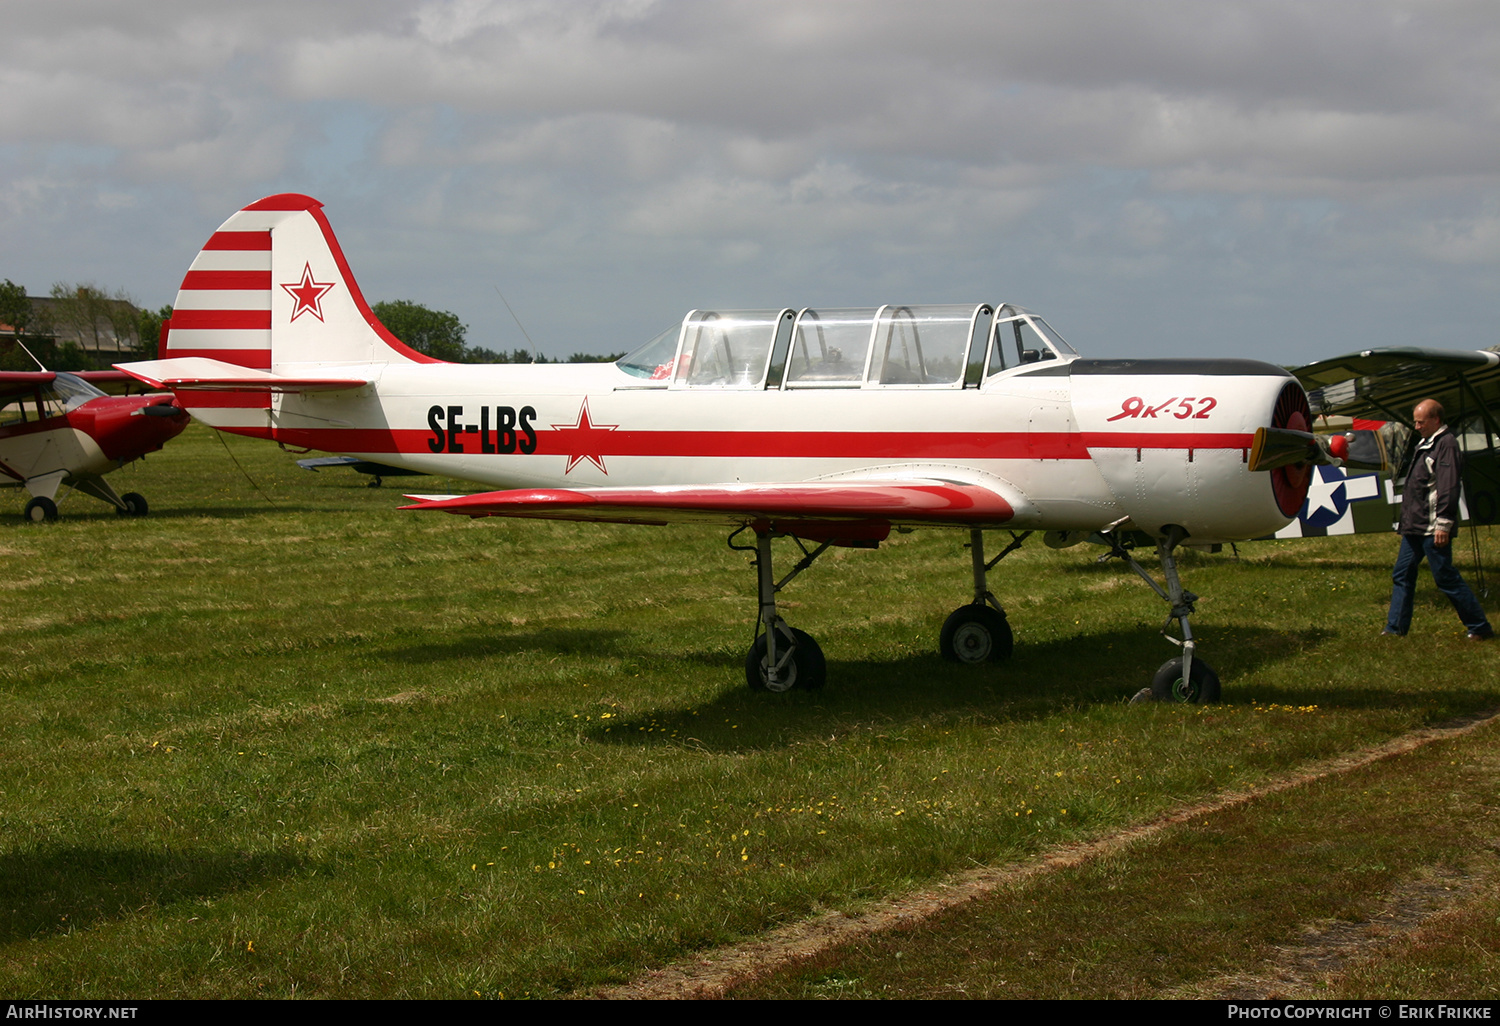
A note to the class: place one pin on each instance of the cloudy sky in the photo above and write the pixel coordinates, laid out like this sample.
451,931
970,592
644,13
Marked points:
1284,180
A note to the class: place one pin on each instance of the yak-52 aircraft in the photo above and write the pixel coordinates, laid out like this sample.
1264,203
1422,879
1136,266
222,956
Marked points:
57,429
828,426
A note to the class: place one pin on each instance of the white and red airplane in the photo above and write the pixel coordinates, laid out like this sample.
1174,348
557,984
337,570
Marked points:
831,427
57,429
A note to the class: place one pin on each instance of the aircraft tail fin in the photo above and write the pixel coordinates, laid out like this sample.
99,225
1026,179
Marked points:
271,288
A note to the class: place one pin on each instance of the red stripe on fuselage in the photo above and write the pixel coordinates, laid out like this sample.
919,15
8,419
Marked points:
867,445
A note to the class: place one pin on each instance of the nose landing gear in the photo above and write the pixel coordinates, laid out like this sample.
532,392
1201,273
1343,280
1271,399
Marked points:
1183,679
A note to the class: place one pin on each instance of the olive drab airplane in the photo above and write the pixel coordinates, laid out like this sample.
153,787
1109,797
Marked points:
57,430
1375,391
830,427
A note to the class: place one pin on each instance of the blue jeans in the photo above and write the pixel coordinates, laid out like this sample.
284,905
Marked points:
1415,548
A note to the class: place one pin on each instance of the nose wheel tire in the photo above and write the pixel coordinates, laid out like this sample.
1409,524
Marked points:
39,509
806,670
976,633
135,505
1168,685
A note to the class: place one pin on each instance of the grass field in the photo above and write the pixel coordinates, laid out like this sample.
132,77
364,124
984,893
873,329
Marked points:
281,739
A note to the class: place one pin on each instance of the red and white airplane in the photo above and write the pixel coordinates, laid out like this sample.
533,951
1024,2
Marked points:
57,430
831,427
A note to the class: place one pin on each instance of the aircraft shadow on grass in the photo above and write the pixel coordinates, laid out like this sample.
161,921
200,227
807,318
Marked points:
570,641
55,890
1040,679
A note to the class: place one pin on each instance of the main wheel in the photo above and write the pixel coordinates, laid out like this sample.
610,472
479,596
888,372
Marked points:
135,505
1168,685
976,633
806,670
39,509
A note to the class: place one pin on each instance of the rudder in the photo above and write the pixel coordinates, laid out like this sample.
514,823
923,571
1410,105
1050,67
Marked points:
271,290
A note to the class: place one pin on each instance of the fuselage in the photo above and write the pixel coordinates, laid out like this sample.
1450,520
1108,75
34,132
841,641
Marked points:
1071,444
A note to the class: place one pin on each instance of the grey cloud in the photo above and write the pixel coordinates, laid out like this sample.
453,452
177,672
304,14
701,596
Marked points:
1267,153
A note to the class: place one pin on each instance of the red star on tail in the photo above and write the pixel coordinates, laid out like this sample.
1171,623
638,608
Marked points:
583,440
308,294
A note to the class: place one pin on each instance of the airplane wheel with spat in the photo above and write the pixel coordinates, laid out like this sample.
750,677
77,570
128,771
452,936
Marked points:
39,509
976,633
135,505
807,670
1168,686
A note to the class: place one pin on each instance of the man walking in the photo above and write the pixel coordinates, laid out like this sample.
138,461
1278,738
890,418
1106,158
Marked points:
1429,520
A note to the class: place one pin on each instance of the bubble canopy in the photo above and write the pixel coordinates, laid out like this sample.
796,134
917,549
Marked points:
931,346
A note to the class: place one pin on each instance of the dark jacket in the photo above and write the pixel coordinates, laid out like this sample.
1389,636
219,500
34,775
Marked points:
1430,501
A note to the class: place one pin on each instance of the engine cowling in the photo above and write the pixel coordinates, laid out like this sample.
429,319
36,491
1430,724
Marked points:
1172,438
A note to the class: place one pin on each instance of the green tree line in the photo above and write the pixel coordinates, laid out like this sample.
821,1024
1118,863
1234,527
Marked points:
441,334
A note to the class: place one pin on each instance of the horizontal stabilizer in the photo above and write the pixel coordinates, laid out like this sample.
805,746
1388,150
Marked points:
844,502
201,374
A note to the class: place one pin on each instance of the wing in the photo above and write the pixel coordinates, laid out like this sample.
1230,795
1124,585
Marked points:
1384,384
840,511
200,374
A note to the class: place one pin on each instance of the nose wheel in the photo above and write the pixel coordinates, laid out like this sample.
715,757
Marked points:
1201,686
976,633
1185,679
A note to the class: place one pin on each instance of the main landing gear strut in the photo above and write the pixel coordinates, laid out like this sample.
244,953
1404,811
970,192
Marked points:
1183,679
782,657
979,632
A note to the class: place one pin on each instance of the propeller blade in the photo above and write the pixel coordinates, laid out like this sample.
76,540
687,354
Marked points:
1283,447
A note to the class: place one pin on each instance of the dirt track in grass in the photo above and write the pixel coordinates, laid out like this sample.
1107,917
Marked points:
716,972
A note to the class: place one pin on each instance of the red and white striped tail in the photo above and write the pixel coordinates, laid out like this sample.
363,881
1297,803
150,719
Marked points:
271,290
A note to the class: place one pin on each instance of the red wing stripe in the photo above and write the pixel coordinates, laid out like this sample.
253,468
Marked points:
219,319
248,280
260,240
940,502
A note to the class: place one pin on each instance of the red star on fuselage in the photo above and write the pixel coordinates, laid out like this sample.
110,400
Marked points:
582,441
308,294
